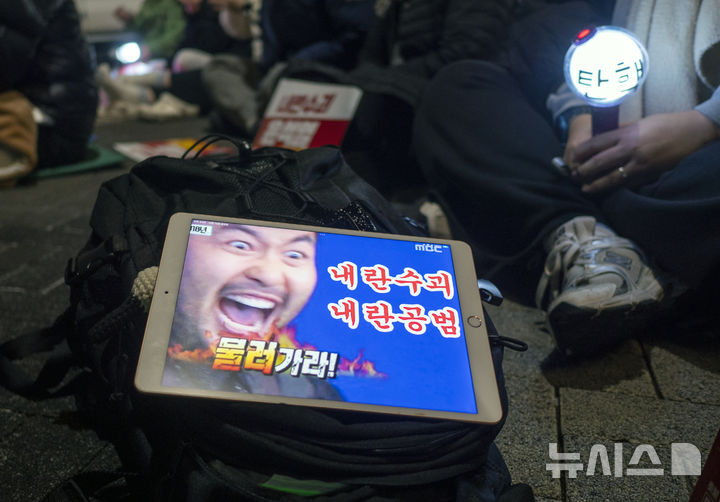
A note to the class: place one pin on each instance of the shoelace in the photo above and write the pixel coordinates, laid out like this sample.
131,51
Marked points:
568,252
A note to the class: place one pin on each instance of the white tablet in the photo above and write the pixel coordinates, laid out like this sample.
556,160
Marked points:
269,312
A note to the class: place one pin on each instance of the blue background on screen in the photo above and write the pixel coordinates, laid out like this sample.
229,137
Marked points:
423,371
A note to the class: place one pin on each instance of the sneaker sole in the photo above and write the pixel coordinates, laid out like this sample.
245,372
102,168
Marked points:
582,331
583,324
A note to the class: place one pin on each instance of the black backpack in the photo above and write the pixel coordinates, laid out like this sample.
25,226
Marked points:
181,449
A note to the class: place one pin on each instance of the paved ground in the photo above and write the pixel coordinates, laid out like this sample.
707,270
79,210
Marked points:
638,400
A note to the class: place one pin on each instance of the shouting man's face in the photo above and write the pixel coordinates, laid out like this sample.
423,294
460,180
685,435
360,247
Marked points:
244,278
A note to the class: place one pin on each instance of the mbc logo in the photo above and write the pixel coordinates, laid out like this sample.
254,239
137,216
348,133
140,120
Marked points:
430,248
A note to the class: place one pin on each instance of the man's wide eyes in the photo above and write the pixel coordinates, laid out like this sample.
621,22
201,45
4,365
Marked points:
242,245
245,246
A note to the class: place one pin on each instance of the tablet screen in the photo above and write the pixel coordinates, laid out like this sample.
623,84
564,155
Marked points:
319,315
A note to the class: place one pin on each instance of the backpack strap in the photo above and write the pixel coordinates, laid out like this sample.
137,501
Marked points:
89,260
54,337
93,486
57,366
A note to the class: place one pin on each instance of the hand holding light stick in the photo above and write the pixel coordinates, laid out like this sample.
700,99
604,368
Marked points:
603,66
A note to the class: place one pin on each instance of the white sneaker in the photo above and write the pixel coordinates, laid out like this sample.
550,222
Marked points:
595,286
119,90
168,107
118,111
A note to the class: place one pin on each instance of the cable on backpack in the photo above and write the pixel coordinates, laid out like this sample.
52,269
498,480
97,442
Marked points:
243,147
507,342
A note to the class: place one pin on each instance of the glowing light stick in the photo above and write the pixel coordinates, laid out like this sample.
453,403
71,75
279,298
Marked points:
128,53
605,65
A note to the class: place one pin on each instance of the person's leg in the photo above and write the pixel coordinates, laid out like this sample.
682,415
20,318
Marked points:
230,84
676,220
188,59
189,87
185,96
125,90
377,144
488,153
155,79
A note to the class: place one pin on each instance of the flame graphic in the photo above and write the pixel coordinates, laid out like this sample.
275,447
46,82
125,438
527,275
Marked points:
196,355
359,367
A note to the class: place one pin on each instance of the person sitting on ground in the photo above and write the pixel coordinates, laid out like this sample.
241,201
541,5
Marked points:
176,91
423,35
331,33
159,23
635,223
48,96
408,43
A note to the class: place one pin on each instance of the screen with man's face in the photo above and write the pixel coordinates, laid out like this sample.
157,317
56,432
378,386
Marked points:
323,315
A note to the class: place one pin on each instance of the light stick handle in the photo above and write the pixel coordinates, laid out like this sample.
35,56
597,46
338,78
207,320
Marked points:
604,119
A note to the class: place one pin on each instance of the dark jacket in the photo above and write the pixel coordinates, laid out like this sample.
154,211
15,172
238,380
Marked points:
44,56
427,35
326,31
203,32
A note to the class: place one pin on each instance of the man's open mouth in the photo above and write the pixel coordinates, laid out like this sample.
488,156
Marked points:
243,314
